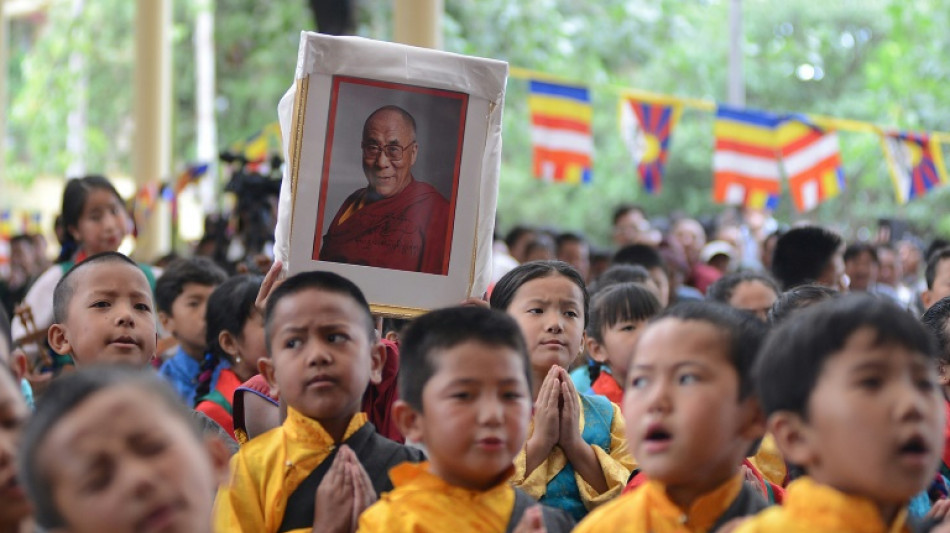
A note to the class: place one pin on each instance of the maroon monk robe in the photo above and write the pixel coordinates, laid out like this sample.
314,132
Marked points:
404,232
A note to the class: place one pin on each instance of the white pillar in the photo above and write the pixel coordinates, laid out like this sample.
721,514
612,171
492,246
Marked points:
152,144
205,123
736,76
418,22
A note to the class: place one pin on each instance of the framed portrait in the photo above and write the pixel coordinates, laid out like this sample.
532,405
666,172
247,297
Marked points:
392,181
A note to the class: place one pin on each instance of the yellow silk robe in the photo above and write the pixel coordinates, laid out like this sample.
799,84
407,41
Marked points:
647,509
423,502
810,507
267,470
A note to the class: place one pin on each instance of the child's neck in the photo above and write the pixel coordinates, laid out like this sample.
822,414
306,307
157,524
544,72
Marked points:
685,495
197,354
336,427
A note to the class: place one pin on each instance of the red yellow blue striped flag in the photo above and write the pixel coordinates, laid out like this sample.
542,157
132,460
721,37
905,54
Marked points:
745,162
811,159
916,163
646,127
561,131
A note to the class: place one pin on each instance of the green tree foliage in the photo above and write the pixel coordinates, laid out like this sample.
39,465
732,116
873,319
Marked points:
880,61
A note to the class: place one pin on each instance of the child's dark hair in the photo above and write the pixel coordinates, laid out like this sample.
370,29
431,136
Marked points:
795,354
515,233
619,274
198,270
639,254
228,308
395,325
802,254
566,238
800,297
504,291
64,395
853,250
620,303
933,261
74,201
937,320
63,292
723,288
621,210
433,333
6,335
319,280
743,334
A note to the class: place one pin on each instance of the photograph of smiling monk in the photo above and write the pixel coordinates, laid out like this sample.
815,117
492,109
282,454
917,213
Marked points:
395,221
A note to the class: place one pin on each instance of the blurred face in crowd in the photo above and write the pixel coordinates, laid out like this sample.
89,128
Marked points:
576,254
691,237
122,461
889,268
862,271
755,297
631,228
909,256
103,223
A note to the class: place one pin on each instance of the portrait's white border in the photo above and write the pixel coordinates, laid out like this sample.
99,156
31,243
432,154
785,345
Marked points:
304,115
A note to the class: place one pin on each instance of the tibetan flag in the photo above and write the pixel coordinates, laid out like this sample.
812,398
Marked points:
36,222
646,127
6,224
745,163
811,158
916,163
189,176
258,146
561,132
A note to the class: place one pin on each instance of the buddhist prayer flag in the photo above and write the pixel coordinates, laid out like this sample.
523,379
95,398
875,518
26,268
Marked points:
812,161
561,131
745,162
646,127
190,175
6,224
915,162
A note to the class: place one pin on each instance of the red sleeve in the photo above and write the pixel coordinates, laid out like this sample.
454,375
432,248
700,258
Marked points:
218,414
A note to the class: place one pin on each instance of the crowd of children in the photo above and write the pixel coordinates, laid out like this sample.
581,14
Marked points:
572,399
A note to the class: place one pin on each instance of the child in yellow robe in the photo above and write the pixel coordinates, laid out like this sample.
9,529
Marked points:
576,455
850,389
691,419
465,394
325,464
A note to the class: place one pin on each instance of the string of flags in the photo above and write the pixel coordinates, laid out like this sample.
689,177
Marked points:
755,150
17,222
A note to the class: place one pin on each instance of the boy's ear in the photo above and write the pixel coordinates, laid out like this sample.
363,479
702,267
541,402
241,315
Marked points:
220,458
943,374
167,322
378,356
408,420
56,335
596,351
793,437
926,298
265,365
753,427
20,364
